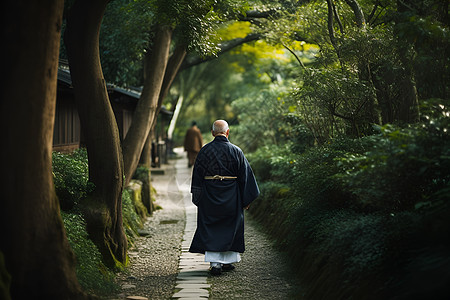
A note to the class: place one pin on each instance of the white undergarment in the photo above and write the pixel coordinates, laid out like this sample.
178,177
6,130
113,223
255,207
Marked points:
227,257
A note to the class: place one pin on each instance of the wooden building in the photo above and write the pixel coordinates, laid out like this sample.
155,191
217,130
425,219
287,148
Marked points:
67,130
67,134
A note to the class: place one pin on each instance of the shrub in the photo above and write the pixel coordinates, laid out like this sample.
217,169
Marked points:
407,168
272,209
362,217
272,162
312,173
71,175
92,274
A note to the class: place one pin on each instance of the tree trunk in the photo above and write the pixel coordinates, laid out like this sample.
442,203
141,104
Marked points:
409,102
37,254
364,68
172,69
146,155
145,177
148,103
358,12
408,110
104,212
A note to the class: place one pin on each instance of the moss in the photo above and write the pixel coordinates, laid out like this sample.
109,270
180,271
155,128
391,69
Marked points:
131,220
118,266
153,194
136,190
147,194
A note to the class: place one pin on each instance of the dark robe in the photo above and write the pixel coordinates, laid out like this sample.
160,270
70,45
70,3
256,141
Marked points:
220,203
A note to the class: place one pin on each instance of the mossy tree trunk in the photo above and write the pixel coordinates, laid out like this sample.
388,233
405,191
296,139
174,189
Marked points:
33,240
155,67
145,175
173,66
104,212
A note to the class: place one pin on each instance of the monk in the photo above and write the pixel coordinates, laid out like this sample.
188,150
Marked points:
223,185
193,142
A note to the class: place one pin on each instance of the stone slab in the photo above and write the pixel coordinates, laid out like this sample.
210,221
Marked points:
136,298
192,286
192,281
191,297
193,270
193,292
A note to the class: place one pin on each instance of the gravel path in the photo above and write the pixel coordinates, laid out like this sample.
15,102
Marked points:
263,272
153,265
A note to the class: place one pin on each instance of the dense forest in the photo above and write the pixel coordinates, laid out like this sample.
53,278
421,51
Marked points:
341,106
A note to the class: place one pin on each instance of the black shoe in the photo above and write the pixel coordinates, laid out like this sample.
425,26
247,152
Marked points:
215,271
228,267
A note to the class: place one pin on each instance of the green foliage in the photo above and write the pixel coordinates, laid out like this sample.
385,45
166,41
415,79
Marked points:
301,136
260,119
123,40
128,30
203,99
92,274
273,209
334,102
358,215
405,168
398,169
360,76
352,199
272,162
142,173
71,177
71,183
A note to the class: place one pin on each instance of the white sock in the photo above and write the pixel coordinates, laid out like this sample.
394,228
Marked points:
215,264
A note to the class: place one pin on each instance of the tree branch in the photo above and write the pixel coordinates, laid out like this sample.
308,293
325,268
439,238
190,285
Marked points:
295,55
225,47
338,20
359,15
330,23
372,13
255,14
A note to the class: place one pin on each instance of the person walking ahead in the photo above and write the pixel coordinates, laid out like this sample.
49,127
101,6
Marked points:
193,142
223,185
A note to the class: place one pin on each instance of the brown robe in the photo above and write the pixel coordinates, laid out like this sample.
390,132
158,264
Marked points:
193,142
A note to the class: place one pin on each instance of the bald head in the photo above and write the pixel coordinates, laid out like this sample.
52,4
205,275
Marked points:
220,127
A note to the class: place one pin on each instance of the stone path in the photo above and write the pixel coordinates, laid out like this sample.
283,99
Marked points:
192,279
193,271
